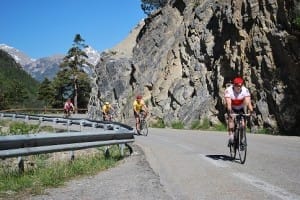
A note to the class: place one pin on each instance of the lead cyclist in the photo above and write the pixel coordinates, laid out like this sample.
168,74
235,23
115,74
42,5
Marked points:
237,97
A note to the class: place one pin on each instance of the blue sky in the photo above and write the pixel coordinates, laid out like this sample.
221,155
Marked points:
42,28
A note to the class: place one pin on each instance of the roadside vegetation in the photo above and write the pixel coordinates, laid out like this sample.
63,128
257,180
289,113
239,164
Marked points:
49,170
42,172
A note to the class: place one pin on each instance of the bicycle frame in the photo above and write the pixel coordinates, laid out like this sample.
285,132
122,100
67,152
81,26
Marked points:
240,139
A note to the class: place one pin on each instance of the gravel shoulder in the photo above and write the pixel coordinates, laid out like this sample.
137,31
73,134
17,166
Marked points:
132,179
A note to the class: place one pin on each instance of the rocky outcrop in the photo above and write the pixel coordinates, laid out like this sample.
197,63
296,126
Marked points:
188,51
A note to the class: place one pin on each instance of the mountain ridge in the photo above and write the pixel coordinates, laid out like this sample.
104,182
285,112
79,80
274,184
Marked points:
45,67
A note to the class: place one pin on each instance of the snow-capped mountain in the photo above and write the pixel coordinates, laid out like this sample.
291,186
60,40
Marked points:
19,56
46,67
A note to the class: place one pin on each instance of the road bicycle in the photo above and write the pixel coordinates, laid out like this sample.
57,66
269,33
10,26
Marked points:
109,117
240,140
67,113
143,124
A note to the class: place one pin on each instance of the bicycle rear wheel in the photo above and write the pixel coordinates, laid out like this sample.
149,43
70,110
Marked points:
242,145
144,128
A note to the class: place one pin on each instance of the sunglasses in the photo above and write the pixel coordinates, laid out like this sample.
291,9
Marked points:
237,85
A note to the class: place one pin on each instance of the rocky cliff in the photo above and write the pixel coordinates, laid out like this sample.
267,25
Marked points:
186,53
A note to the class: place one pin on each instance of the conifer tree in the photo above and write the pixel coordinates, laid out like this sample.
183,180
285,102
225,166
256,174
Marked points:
75,61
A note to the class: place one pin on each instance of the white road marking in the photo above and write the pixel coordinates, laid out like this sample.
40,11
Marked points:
214,162
267,187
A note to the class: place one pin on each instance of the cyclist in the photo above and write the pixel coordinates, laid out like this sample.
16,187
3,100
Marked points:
237,98
139,106
68,107
107,110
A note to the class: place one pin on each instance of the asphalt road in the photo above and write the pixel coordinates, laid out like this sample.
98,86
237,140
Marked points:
196,165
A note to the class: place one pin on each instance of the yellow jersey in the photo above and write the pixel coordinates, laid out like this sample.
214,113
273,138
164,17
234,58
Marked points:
137,106
106,108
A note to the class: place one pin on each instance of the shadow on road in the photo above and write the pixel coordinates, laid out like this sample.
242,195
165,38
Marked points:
220,157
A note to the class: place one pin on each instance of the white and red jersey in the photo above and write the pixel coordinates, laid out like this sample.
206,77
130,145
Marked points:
237,98
68,106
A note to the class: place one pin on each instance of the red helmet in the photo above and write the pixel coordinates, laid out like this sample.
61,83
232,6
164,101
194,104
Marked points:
238,81
139,97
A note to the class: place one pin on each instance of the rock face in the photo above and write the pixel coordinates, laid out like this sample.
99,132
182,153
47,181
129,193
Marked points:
187,52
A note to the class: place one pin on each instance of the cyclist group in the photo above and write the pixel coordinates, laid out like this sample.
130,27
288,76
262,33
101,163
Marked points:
237,97
139,107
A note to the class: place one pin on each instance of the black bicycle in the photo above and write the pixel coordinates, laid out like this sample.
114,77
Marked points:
143,124
240,140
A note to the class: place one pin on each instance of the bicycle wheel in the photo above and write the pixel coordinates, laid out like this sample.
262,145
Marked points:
233,146
242,145
232,151
144,128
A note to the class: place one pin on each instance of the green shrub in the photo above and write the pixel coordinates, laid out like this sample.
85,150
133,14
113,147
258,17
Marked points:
204,124
22,128
220,127
297,22
158,124
177,125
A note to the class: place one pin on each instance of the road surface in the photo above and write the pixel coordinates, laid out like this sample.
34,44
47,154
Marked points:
195,165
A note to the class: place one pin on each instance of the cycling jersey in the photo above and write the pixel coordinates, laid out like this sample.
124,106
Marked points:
68,106
106,108
237,99
138,106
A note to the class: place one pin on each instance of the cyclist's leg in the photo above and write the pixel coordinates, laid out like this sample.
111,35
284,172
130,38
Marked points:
230,127
137,121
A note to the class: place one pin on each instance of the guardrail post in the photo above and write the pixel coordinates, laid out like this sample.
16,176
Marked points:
106,152
121,146
81,125
26,118
68,129
21,164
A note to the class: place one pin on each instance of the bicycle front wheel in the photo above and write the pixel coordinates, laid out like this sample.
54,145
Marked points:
242,145
232,149
144,128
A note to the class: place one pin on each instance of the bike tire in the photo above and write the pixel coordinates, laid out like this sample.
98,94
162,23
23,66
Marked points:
242,150
232,150
144,128
233,147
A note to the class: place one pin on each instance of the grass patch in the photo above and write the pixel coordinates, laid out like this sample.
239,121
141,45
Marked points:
158,124
205,124
19,128
177,125
47,174
220,127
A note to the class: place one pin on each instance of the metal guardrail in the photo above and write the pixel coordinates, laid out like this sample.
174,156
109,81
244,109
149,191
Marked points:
104,133
41,110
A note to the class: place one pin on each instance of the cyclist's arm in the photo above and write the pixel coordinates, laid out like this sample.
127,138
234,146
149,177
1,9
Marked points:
72,107
248,103
228,104
145,108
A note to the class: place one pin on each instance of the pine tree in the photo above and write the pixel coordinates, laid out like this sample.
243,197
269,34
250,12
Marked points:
75,61
46,92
